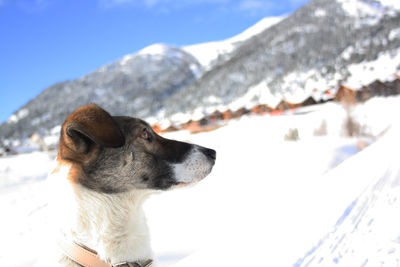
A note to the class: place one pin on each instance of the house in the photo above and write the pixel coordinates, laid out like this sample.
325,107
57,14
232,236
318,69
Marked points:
227,115
216,116
345,95
394,87
308,101
157,128
378,88
261,109
285,105
240,112
363,94
171,128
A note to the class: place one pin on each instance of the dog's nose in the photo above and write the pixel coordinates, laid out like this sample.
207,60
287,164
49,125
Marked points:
210,153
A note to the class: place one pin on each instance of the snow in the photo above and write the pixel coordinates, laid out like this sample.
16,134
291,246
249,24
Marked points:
23,202
369,12
358,8
153,50
394,34
198,114
373,122
367,231
258,94
268,202
320,12
395,4
51,140
270,213
127,58
180,118
213,99
22,113
259,27
15,170
367,72
206,53
302,84
346,54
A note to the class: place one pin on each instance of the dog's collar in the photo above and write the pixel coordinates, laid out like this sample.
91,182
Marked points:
89,258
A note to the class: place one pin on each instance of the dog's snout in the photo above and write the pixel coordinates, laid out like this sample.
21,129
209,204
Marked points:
210,153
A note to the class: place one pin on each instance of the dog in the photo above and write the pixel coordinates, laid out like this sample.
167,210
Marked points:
106,167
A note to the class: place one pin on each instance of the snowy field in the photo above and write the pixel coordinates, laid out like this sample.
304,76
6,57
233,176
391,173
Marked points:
268,202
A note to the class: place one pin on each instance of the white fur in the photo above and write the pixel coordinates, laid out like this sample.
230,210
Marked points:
114,225
195,167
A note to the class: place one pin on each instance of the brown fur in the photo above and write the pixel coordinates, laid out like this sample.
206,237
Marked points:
86,124
111,164
118,153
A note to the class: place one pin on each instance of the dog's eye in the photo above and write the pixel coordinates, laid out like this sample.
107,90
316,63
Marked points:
145,135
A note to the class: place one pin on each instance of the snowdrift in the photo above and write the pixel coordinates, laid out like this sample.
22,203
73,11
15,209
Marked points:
268,202
367,233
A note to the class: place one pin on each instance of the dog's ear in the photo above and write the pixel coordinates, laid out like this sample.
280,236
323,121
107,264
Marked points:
88,126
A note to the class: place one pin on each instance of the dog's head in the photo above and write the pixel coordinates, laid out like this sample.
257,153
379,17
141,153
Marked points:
116,154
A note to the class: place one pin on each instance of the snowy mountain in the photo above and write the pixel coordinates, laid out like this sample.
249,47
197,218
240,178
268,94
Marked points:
323,44
136,84
211,53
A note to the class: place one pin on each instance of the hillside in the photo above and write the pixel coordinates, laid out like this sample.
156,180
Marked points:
323,44
320,46
137,84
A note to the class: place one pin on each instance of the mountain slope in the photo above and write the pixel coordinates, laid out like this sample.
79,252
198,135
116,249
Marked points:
136,85
208,54
319,46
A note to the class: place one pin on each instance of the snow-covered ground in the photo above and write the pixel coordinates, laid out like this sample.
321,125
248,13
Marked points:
23,205
365,191
268,202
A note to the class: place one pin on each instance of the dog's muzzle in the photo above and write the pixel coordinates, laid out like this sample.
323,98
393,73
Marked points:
197,164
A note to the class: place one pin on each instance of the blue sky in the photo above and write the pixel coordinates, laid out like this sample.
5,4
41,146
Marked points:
47,41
